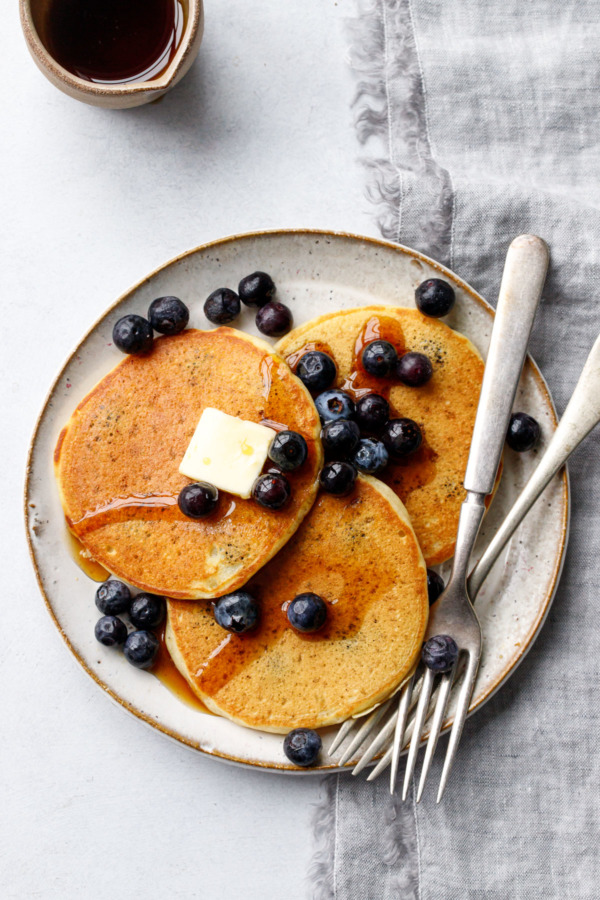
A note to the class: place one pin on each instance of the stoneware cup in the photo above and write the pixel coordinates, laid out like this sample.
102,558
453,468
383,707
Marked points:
34,17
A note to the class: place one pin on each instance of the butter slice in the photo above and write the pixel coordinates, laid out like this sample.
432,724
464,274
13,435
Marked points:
227,452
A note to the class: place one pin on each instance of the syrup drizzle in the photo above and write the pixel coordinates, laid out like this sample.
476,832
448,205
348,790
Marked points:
168,674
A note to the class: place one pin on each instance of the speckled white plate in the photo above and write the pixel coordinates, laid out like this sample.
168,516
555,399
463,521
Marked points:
315,272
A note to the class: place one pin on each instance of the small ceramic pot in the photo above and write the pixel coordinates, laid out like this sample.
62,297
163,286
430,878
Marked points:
34,16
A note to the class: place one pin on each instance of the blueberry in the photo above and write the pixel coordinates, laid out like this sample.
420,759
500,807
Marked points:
110,630
401,437
307,613
274,319
440,653
316,370
237,612
113,597
198,499
414,369
272,491
337,478
523,432
370,456
256,289
335,404
288,450
133,334
222,306
141,648
302,746
168,315
340,438
147,611
372,412
379,358
435,297
435,585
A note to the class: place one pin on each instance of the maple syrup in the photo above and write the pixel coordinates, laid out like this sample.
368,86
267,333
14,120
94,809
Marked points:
114,41
87,565
168,674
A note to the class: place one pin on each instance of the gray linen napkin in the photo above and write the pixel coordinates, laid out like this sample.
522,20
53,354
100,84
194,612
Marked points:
481,121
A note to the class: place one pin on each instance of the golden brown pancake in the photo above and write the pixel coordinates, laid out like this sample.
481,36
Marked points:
360,554
430,481
117,463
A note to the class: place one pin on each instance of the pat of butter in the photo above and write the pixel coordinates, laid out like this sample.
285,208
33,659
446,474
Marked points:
227,452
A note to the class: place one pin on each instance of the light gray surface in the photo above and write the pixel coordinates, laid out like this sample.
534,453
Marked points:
259,134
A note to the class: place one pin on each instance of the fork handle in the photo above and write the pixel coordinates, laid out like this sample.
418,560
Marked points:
580,417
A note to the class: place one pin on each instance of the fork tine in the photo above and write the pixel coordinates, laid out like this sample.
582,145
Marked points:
364,731
343,730
376,744
462,706
403,708
436,726
415,740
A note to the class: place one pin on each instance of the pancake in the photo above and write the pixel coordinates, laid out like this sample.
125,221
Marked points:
117,463
360,554
430,481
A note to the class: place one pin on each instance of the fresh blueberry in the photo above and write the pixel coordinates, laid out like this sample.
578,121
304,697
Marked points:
435,297
110,630
379,358
222,306
141,648
237,612
335,404
435,585
133,334
272,491
401,437
274,319
370,456
337,478
340,438
147,610
372,412
198,499
440,653
288,450
113,597
316,370
256,289
414,369
302,746
307,613
168,315
523,432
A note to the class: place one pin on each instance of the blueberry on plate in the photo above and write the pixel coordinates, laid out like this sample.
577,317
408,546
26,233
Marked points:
435,585
337,478
372,412
401,437
168,315
414,369
133,334
302,746
370,456
307,613
288,450
335,404
316,370
379,358
256,289
272,491
141,649
237,612
147,610
110,631
523,432
222,306
434,297
274,319
340,438
440,653
198,499
113,597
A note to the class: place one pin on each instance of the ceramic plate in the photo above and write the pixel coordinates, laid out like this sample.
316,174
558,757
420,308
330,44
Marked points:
316,272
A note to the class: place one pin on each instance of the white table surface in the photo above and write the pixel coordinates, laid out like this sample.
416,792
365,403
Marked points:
259,134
